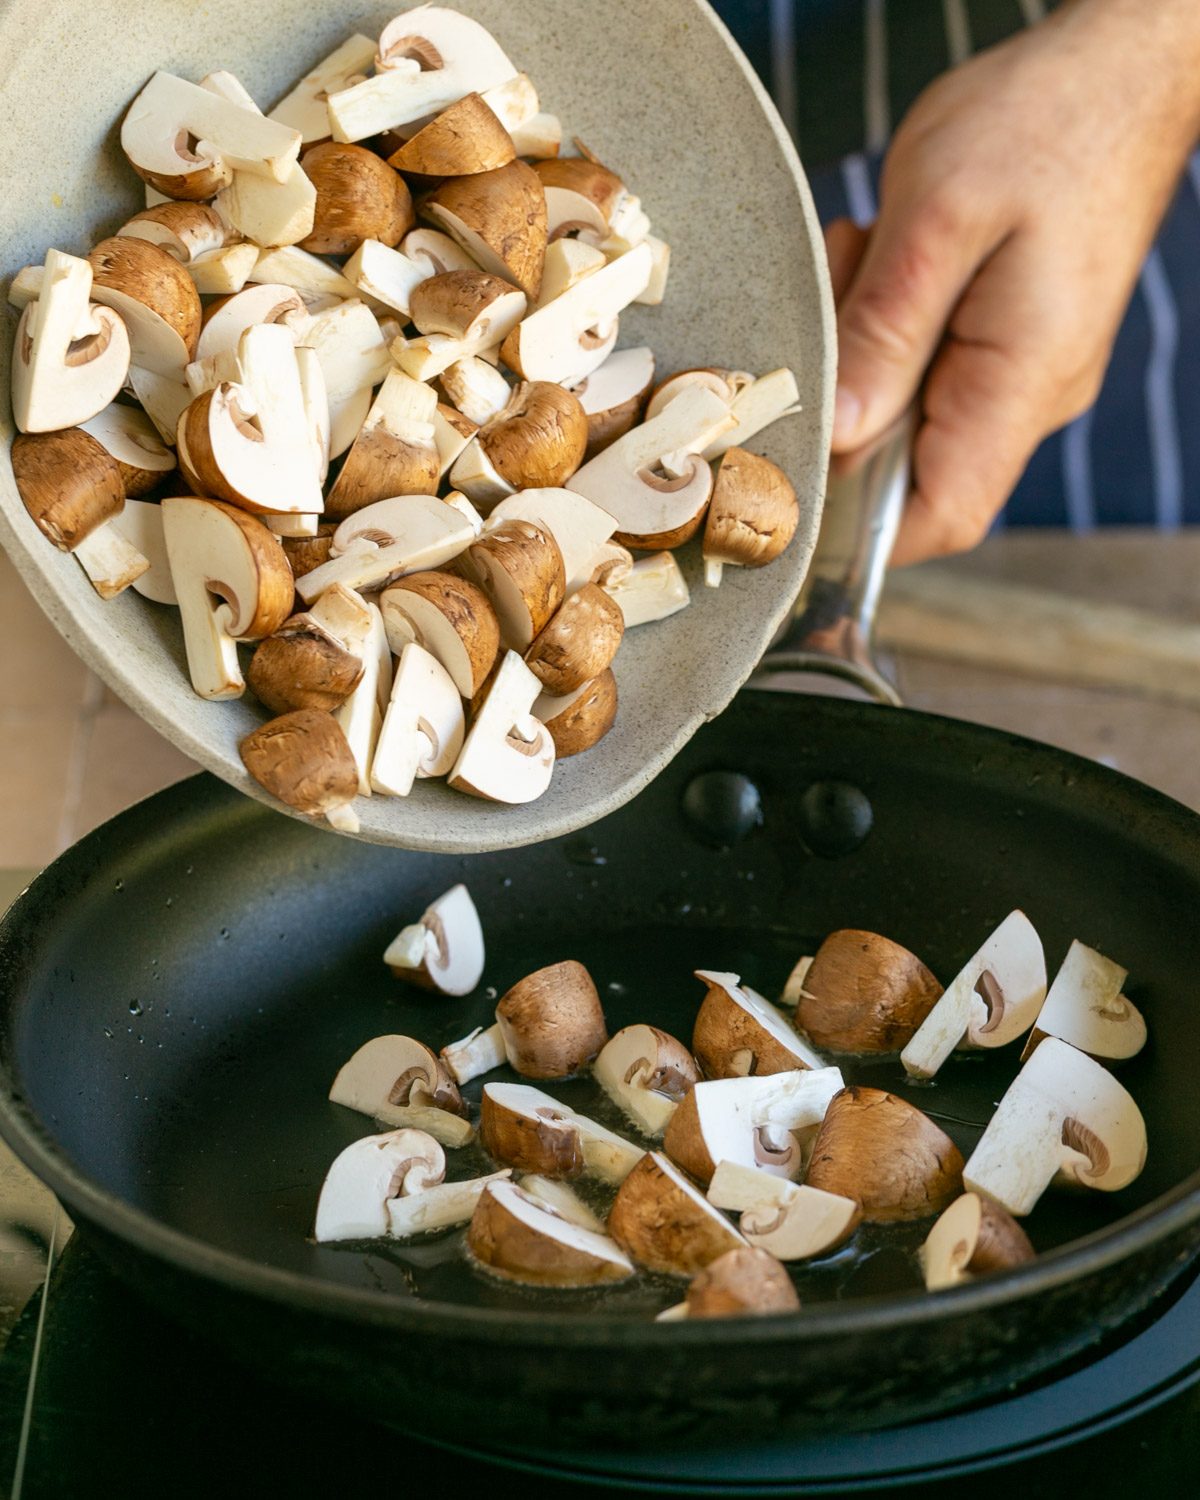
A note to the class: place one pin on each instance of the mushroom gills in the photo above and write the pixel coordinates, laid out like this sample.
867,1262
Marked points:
974,1237
1086,1008
445,949
792,1221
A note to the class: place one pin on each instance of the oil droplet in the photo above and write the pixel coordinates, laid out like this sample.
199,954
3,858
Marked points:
108,1033
119,886
491,992
170,900
135,1007
506,882
224,934
615,987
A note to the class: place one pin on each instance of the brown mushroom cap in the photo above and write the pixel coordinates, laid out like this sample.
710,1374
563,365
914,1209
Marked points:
519,567
359,197
69,483
524,1239
428,1081
463,139
378,466
753,513
886,1154
538,440
974,1237
153,277
302,758
302,666
741,1282
588,715
548,1143
577,174
429,600
308,552
184,228
864,993
579,642
503,214
458,303
665,1224
726,1034
552,1021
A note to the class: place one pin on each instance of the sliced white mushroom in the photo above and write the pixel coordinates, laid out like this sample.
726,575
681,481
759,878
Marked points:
361,716
305,108
187,231
475,475
442,1206
738,1032
793,1222
315,401
612,396
110,560
387,539
533,1132
225,271
562,1199
262,209
1064,1117
436,253
265,302
568,338
508,755
567,263
391,1072
1085,1007
70,357
751,1121
444,950
162,399
428,59
140,524
653,480
646,1072
478,1052
311,276
476,388
974,1237
578,525
354,359
423,726
366,1175
394,452
523,1238
130,437
653,589
446,1128
386,275
451,433
994,998
756,406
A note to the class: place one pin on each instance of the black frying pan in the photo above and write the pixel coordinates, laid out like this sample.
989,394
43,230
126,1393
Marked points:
179,988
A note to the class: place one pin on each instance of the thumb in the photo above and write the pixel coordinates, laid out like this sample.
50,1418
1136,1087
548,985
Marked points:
915,267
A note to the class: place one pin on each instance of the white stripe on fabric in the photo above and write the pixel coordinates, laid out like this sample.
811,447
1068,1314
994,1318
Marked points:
1033,11
1165,457
860,191
958,30
877,114
783,62
1078,488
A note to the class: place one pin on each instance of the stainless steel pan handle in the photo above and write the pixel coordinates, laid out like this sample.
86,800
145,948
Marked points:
830,633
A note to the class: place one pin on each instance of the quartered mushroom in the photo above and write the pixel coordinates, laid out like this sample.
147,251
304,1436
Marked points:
427,59
755,1122
524,1238
567,263
529,1130
887,1154
423,726
226,320
219,273
140,526
385,275
359,197
752,517
444,950
188,231
665,1223
578,643
391,1076
519,567
156,298
464,139
536,442
233,583
754,402
304,108
745,1282
367,1175
475,388
451,618
737,1032
552,1021
459,314
862,993
613,395
580,528
581,197
646,1072
315,659
304,759
508,756
499,219
388,538
563,1199
70,355
653,480
1086,1008
443,1205
580,719
792,1221
1066,1117
569,337
394,452
994,998
653,589
130,437
974,1237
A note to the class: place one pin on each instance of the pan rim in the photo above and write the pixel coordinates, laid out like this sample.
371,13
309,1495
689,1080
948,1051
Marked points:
1167,1215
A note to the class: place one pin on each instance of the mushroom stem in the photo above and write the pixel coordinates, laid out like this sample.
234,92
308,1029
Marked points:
478,1052
439,1207
445,1128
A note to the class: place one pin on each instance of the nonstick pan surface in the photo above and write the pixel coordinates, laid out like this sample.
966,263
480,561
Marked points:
180,987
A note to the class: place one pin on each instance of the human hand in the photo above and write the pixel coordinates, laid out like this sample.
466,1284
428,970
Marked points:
1018,200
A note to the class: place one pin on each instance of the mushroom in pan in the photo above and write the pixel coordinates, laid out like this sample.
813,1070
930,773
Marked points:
444,950
442,1205
752,517
792,1221
993,999
886,1154
552,1021
523,1238
581,718
744,1282
665,1224
563,1199
863,993
756,1122
1064,1117
737,1033
303,759
646,1072
395,1079
527,1129
1086,1008
508,756
367,1175
974,1237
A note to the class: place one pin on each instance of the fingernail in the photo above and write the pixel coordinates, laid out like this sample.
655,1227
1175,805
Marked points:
847,413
